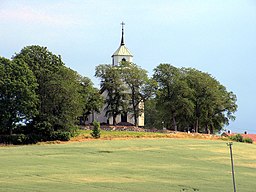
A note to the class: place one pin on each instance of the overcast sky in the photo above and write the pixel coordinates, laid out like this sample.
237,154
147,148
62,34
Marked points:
214,36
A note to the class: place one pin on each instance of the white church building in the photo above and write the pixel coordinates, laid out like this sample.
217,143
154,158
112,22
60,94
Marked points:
121,54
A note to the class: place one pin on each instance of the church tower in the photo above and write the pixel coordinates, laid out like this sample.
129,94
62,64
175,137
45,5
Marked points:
122,53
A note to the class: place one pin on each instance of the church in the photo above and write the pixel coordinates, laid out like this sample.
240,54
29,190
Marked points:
121,54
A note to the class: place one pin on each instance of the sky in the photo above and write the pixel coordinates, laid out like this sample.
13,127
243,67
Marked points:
214,36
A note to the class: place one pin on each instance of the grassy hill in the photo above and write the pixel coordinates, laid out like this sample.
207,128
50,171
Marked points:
147,165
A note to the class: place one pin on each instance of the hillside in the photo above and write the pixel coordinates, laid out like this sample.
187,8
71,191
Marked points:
146,165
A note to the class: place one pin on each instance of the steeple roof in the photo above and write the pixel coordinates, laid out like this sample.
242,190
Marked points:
122,50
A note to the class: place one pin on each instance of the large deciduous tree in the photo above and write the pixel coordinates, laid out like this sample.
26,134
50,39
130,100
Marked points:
192,99
92,100
140,87
59,101
18,99
173,95
214,105
117,96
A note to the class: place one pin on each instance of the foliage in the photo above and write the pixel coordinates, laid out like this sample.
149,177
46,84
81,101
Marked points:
153,117
96,130
237,137
127,87
15,139
40,98
240,138
18,99
140,87
173,96
188,99
59,100
247,140
60,135
92,100
214,105
22,139
117,100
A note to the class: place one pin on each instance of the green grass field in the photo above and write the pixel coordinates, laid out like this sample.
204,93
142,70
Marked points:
142,165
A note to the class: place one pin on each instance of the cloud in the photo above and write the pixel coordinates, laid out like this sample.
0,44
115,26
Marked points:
26,14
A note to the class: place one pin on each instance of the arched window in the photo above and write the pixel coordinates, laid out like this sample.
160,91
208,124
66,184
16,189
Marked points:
123,59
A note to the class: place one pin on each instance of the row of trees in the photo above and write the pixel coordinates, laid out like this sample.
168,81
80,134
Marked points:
181,99
40,95
189,100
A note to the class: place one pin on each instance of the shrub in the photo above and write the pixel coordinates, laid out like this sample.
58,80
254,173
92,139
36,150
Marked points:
237,137
44,128
33,138
60,135
15,139
96,130
247,140
74,131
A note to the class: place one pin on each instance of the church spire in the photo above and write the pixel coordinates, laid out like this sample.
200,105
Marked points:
122,39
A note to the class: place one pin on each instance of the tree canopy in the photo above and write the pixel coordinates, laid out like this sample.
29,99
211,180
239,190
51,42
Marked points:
41,97
188,99
18,99
38,92
127,86
57,87
116,102
92,100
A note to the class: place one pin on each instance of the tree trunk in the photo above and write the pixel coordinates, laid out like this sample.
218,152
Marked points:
207,130
92,117
211,129
174,123
197,125
135,120
10,131
83,120
114,120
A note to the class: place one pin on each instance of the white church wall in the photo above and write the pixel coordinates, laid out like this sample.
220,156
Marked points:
118,58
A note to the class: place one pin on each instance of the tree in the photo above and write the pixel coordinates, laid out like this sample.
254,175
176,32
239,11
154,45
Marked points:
154,117
173,95
18,99
59,99
91,98
117,96
191,99
96,130
140,87
214,105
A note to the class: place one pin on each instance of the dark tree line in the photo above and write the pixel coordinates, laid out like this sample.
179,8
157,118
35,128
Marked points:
42,97
189,100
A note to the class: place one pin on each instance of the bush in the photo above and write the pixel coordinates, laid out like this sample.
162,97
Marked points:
247,140
21,139
44,128
60,135
74,131
96,130
15,139
237,137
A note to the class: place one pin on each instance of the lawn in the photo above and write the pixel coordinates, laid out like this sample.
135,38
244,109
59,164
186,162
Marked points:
142,165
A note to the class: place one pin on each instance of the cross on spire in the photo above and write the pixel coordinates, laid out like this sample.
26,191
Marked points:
122,39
